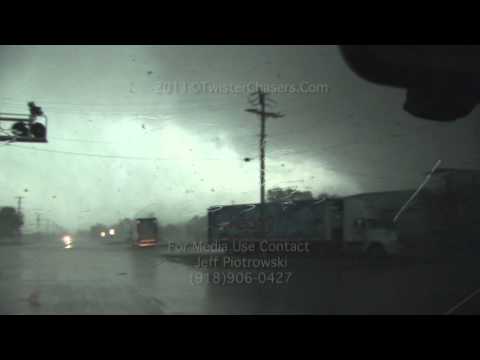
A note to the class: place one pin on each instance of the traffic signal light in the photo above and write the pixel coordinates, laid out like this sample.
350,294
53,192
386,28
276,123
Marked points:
35,110
38,131
26,130
20,129
25,127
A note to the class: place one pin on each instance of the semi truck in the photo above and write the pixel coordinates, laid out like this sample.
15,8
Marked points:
368,223
145,232
349,223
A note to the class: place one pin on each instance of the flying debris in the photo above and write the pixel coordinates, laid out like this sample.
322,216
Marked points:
247,159
34,298
150,72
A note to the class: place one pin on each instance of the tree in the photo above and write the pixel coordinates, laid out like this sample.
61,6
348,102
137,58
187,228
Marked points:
96,229
325,195
197,229
124,228
288,194
10,222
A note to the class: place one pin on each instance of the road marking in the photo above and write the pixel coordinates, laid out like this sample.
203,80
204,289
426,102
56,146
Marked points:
463,302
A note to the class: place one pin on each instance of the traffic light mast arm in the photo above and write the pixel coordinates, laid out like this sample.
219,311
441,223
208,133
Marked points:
9,117
25,127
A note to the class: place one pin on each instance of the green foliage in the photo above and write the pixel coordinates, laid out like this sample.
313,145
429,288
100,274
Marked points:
325,195
96,229
11,222
288,194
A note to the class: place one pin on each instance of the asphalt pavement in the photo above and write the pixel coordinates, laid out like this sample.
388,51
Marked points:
97,277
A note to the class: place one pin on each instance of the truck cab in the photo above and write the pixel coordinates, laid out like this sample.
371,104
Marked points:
377,237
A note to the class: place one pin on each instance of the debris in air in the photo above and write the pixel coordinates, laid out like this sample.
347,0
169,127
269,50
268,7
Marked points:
34,298
247,159
150,72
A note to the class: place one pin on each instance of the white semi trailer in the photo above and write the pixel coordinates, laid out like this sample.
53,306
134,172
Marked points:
346,223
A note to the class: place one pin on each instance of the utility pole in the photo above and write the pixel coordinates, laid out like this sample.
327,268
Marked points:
47,226
261,99
19,203
38,222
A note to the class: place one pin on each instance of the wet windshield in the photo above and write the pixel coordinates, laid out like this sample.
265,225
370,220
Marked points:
261,167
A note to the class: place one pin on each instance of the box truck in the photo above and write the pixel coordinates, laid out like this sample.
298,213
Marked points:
331,224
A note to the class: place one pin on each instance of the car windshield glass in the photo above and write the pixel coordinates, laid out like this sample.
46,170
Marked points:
236,179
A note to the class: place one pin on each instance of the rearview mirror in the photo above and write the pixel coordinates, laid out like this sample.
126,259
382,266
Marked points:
442,81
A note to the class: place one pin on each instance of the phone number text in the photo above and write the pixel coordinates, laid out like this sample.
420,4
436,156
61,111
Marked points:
240,278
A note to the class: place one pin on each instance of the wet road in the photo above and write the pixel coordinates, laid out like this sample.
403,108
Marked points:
94,277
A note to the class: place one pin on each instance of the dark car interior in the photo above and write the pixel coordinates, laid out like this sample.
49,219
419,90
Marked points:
441,81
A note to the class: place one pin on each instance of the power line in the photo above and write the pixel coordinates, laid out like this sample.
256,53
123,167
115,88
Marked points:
126,107
115,156
349,144
82,141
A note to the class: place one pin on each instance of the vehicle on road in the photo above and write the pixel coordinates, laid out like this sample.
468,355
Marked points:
67,240
357,222
145,232
330,224
108,234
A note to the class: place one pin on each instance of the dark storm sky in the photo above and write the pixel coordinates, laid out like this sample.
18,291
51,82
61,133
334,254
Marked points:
119,147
